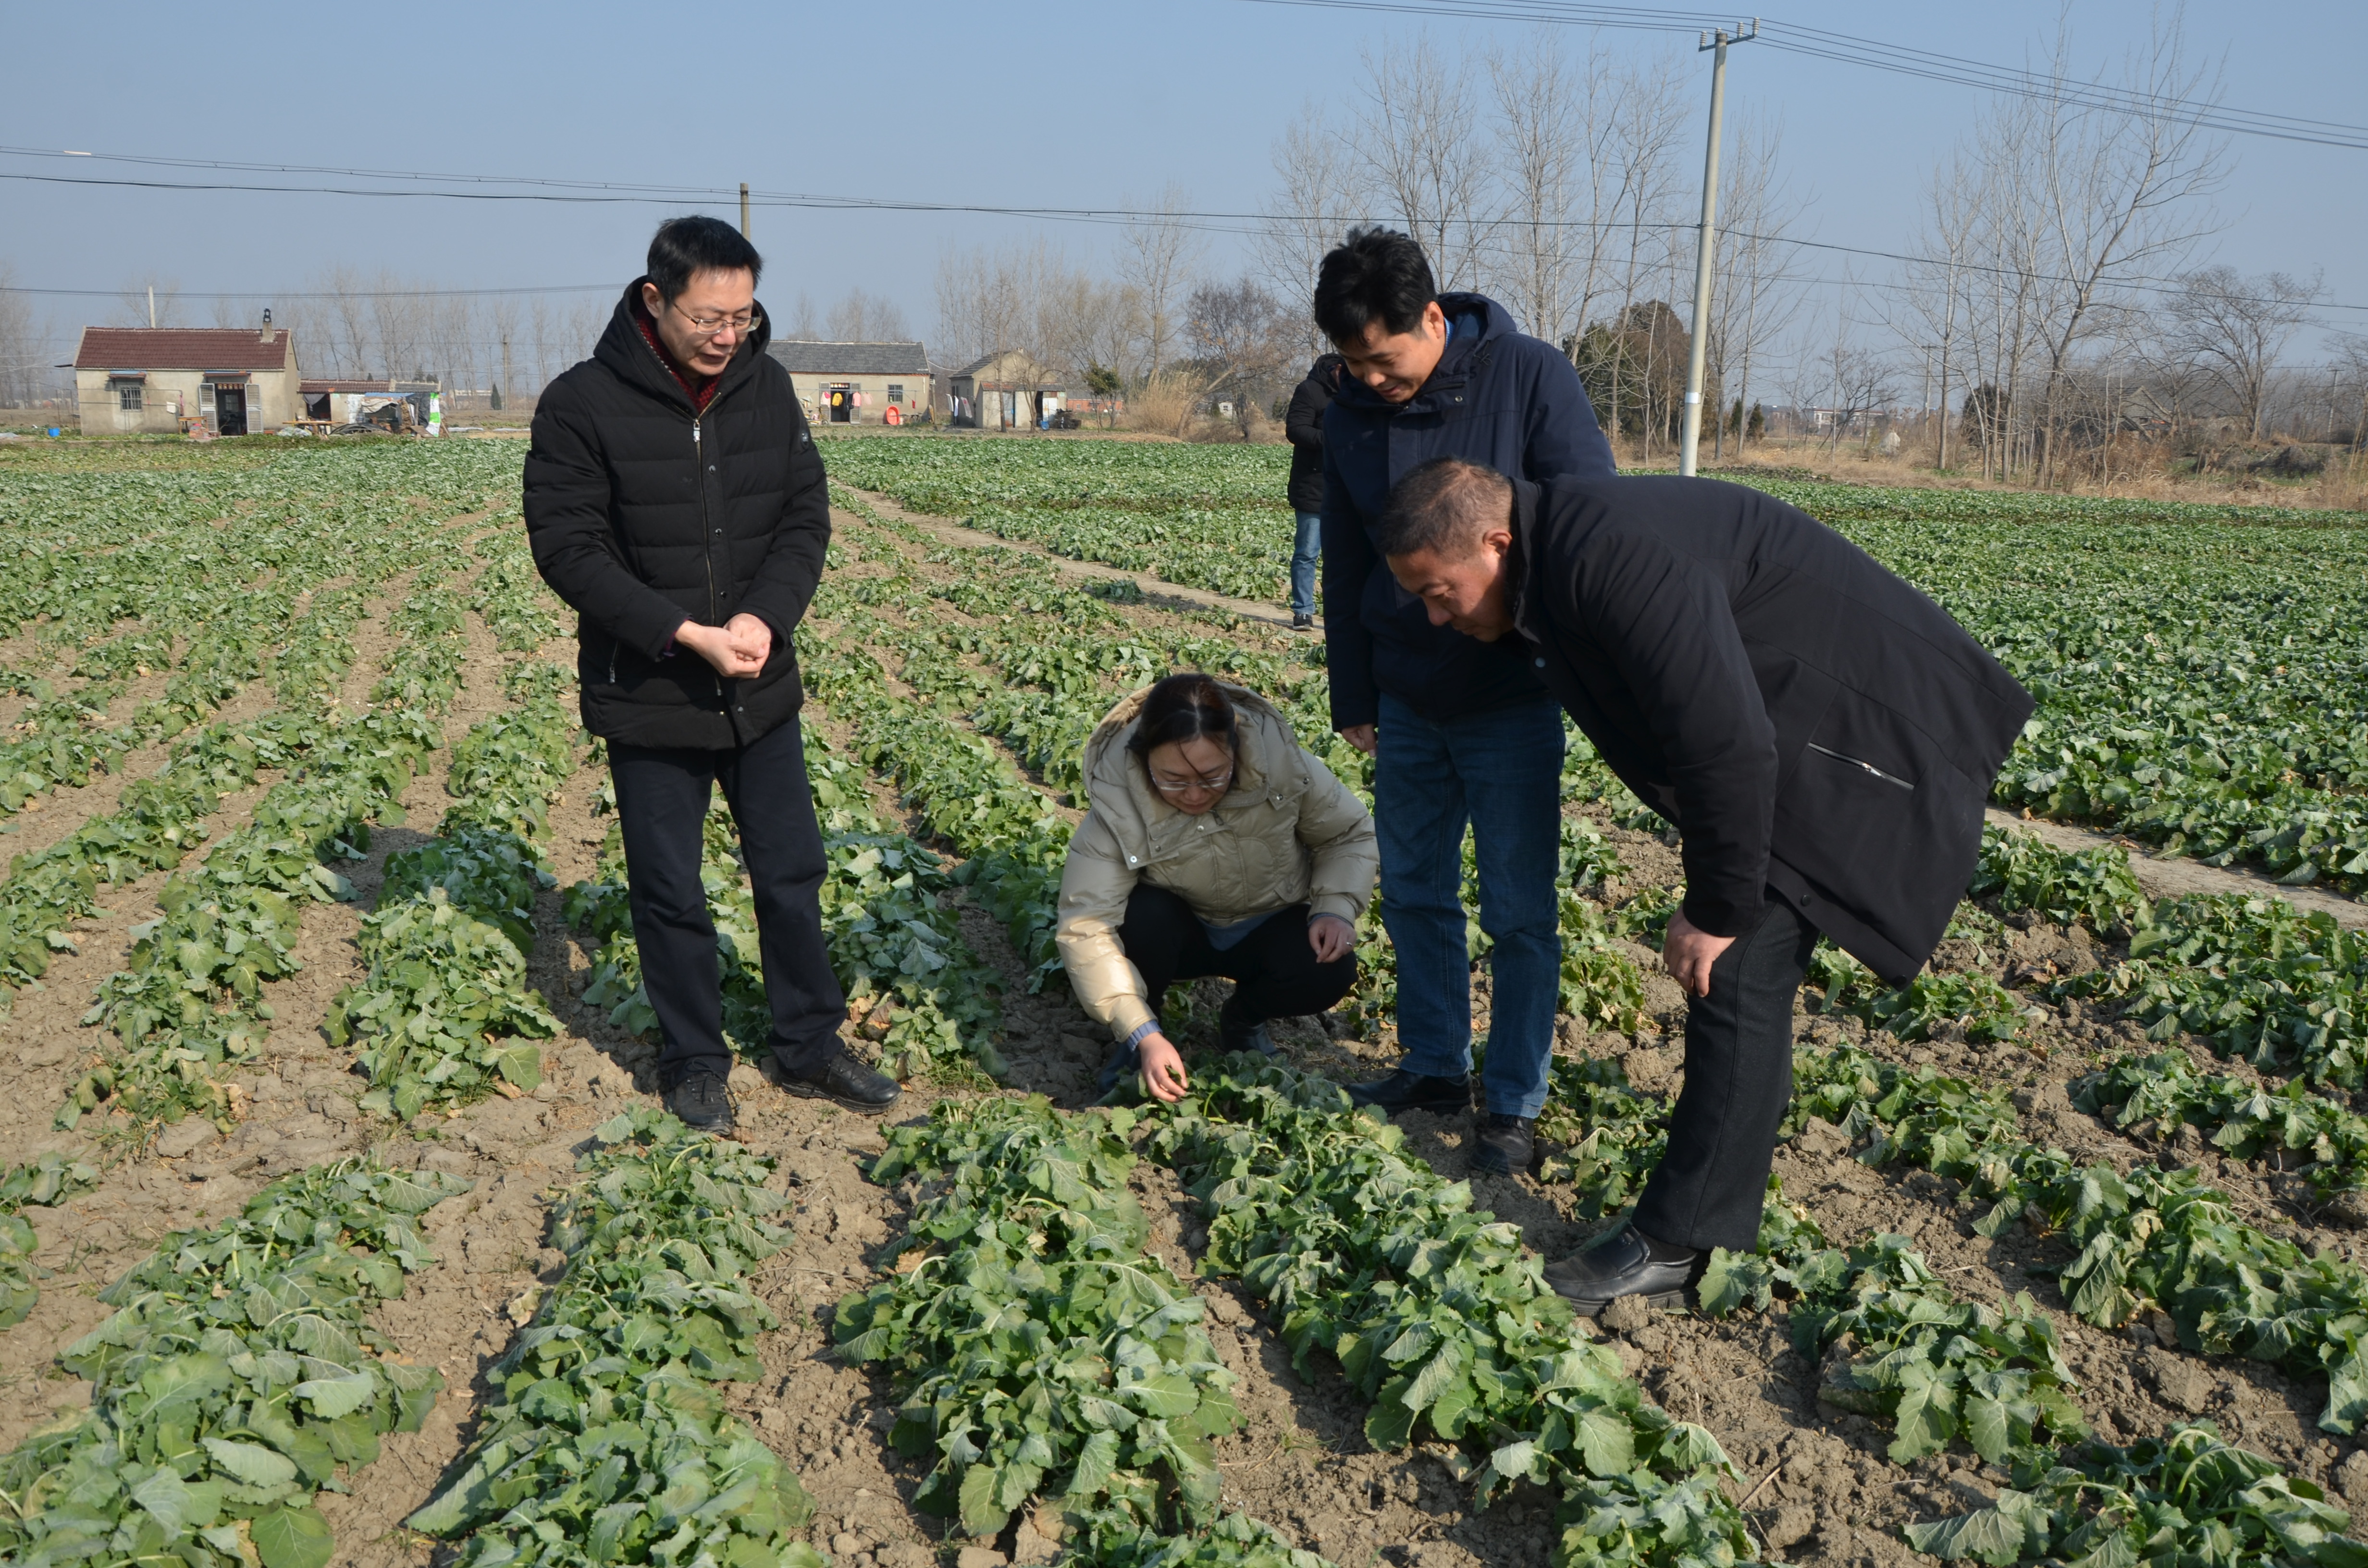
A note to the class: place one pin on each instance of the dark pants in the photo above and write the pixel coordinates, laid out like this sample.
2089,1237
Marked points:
1713,1180
662,796
1273,967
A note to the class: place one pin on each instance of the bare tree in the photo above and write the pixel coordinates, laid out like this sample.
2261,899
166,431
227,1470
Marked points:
2230,329
1753,298
22,363
2121,196
797,324
865,318
1418,139
1933,310
1316,199
132,305
1241,336
1648,124
1548,122
1157,258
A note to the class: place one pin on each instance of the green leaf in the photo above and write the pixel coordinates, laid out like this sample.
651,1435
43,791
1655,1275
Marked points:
1985,1535
291,1538
251,1462
1607,1442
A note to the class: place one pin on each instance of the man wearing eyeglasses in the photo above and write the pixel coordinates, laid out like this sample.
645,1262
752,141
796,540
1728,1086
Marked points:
675,499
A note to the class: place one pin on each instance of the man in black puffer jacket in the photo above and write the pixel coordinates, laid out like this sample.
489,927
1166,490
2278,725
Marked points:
675,499
1305,426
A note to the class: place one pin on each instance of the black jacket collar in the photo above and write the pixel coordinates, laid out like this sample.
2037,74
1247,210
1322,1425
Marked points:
624,351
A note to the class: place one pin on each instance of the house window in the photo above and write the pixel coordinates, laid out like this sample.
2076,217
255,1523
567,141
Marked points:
127,398
895,391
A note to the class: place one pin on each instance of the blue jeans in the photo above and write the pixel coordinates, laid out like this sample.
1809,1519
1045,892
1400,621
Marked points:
1304,552
1501,770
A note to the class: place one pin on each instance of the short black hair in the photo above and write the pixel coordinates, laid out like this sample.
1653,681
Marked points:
683,246
1373,275
1443,505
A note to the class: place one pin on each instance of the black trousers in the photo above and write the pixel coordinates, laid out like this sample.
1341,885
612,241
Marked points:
662,798
1273,967
1713,1182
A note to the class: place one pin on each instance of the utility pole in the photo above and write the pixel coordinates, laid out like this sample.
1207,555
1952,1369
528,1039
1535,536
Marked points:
744,209
509,387
152,307
1689,442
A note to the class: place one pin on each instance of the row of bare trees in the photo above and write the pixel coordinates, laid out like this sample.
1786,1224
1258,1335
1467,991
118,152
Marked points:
1562,182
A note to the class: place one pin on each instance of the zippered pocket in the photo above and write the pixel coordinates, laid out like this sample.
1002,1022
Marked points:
1862,766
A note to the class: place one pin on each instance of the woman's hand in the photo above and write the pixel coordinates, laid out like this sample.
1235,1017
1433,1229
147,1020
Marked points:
1331,936
1161,1070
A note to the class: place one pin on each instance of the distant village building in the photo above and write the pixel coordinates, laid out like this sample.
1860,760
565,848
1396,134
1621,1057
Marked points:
857,383
236,381
1009,391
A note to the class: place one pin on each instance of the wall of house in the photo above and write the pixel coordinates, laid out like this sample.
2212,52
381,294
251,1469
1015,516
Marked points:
813,394
167,397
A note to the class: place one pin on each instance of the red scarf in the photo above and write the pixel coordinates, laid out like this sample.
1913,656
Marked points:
700,388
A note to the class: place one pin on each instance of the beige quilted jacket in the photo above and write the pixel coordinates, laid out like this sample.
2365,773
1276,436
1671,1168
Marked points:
1288,832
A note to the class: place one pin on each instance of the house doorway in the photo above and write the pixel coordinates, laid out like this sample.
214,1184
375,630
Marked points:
1010,411
230,410
842,404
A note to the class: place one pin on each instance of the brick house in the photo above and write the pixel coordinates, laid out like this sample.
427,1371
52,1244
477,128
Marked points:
857,383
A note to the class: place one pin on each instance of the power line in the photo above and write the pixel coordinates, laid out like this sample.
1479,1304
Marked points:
1897,59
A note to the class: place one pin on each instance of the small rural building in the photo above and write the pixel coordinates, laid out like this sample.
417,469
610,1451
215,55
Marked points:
1007,390
857,383
355,403
239,380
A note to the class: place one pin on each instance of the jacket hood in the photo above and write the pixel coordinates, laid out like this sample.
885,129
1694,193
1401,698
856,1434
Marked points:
1116,786
1329,369
623,350
1464,355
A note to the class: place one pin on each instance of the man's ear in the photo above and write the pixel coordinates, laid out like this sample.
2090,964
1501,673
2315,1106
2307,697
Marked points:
651,301
1434,321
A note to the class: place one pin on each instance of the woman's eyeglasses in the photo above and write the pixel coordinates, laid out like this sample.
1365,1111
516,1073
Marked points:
1215,786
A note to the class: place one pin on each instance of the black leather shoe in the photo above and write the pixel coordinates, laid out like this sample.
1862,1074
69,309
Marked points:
1503,1144
1403,1090
1300,622
703,1100
843,1078
1625,1264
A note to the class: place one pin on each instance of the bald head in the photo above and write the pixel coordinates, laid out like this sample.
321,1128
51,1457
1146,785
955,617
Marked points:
1443,507
1446,532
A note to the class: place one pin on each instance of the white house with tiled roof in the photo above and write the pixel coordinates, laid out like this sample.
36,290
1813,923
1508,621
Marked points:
857,383
238,379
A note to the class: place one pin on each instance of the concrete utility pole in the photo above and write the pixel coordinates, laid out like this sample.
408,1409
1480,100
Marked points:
152,307
1689,441
744,209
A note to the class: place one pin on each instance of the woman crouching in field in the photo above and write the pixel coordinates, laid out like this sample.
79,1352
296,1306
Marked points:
1215,846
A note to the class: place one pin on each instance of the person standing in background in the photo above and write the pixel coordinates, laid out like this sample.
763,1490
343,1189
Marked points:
1305,424
1460,732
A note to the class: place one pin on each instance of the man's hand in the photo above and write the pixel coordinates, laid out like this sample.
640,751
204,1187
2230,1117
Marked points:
1331,936
1358,736
1687,953
734,653
1162,1070
751,635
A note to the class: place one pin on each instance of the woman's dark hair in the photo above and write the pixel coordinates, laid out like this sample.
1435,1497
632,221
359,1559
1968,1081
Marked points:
1374,274
683,246
1187,707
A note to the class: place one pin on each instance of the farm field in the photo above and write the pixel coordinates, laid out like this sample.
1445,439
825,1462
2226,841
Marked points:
343,1226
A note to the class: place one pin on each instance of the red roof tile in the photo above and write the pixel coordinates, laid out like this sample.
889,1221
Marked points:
181,348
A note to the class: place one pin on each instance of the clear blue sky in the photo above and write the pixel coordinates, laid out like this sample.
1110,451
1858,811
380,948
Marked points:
1063,104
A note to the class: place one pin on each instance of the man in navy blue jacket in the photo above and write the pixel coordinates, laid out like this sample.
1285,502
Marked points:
1460,730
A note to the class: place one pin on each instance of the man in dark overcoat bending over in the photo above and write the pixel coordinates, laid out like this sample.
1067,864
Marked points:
1822,735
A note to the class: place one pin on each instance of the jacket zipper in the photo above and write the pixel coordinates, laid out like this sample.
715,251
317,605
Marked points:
1868,767
707,536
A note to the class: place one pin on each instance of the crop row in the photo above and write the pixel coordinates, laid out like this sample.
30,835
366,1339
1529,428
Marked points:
606,1439
1438,1317
46,1183
160,818
1037,1349
235,1378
